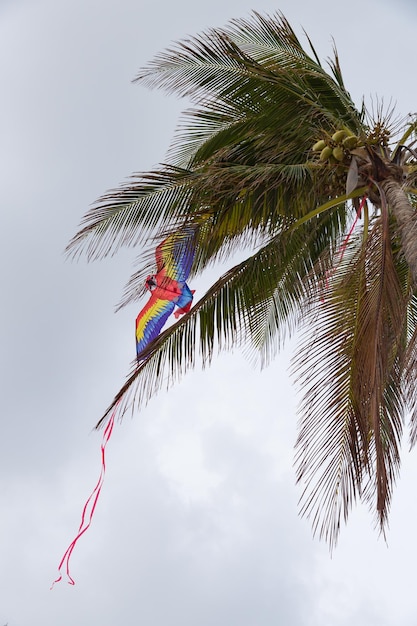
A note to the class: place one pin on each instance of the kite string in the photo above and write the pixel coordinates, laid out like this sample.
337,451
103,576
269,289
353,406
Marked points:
358,215
343,247
89,507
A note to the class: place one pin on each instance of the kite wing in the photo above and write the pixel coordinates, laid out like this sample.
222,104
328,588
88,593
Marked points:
150,321
174,257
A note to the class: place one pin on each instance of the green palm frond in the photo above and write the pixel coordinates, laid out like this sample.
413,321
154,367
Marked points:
249,61
127,216
236,310
201,66
253,112
197,126
217,242
272,42
282,120
217,318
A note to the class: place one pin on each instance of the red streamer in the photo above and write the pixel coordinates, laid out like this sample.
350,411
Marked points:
358,214
89,507
344,244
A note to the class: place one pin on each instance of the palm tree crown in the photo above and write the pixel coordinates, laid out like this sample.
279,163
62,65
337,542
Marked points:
273,156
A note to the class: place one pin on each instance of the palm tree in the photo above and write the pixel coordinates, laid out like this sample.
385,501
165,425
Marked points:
274,157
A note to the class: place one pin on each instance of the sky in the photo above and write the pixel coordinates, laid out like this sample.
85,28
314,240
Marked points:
197,522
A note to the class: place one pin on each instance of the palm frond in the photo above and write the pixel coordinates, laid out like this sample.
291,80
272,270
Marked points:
210,64
409,368
218,316
272,42
250,66
126,216
351,424
264,109
199,125
246,225
228,314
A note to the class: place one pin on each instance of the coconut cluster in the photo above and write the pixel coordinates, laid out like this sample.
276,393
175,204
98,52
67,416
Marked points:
337,147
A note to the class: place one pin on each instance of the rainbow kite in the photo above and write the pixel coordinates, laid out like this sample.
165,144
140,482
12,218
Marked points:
174,257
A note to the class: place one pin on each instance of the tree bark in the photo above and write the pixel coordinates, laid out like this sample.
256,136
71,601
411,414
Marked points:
406,217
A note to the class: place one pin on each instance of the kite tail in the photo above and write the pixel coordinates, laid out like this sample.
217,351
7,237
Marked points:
89,507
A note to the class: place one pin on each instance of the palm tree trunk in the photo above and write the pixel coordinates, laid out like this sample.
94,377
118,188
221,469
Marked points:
406,217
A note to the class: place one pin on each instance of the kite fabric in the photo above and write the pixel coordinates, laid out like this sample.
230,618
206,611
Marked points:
174,258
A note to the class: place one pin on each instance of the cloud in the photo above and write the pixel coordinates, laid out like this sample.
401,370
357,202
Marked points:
197,522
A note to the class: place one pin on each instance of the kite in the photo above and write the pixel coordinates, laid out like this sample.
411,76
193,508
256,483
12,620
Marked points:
174,258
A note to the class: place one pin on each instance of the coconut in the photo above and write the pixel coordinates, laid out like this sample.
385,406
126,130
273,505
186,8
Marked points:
325,153
319,145
338,153
339,136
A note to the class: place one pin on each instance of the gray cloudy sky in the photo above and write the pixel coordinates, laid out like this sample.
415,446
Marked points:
197,523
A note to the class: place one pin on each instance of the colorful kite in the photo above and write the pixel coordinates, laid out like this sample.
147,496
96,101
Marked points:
174,257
